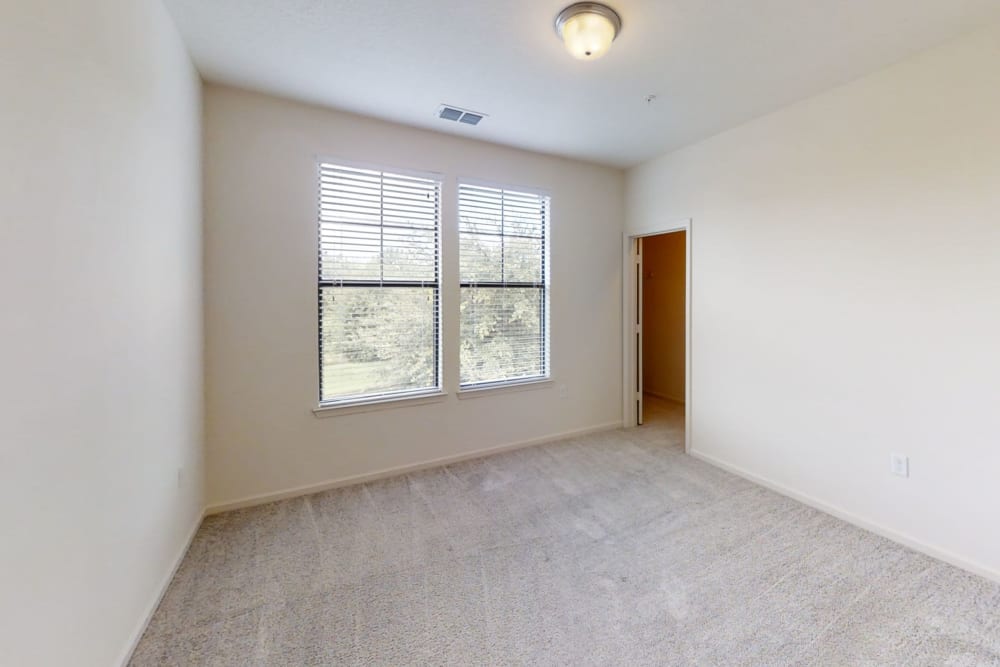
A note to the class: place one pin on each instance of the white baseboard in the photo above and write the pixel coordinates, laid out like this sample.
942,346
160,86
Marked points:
860,522
264,498
164,584
665,397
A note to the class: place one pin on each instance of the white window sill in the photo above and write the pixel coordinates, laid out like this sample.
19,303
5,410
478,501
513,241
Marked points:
372,405
493,389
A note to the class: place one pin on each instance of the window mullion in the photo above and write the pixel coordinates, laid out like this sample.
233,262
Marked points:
381,226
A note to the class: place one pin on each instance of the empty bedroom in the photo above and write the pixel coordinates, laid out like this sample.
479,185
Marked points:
634,332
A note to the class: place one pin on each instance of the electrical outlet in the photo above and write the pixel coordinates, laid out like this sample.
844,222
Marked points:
563,391
180,477
899,465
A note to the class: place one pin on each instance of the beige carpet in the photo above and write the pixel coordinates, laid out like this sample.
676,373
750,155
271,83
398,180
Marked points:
610,549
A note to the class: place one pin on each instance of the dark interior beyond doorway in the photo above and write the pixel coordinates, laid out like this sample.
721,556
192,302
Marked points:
664,274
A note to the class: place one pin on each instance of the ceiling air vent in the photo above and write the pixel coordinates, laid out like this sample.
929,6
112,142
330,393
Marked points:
448,112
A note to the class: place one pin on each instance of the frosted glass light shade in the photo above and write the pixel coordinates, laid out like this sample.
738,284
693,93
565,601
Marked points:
587,29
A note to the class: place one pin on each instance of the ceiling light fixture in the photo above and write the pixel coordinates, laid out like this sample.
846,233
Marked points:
587,29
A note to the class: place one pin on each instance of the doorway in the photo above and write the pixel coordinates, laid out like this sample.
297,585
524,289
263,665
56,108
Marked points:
657,318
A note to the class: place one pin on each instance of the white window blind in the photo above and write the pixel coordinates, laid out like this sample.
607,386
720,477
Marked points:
379,283
504,285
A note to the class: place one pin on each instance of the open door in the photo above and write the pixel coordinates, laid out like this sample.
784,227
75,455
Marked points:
651,283
638,330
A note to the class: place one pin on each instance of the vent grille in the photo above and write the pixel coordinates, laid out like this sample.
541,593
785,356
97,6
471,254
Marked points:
448,112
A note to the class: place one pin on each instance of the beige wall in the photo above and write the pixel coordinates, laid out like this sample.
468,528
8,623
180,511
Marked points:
261,300
100,280
663,314
847,296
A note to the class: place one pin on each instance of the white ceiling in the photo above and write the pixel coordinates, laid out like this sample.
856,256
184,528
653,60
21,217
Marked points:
713,64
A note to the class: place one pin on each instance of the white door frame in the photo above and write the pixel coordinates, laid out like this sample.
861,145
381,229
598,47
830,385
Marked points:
630,378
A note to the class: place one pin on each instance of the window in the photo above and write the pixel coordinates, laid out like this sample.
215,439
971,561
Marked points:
379,284
504,285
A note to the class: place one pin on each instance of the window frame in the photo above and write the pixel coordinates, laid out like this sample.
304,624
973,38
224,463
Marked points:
471,390
350,404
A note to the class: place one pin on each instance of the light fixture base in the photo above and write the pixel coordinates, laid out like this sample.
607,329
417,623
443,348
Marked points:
578,8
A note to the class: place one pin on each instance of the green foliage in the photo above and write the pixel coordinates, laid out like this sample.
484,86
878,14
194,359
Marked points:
366,325
380,339
501,333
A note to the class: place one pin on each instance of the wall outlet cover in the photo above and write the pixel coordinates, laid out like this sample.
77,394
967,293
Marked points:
899,464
